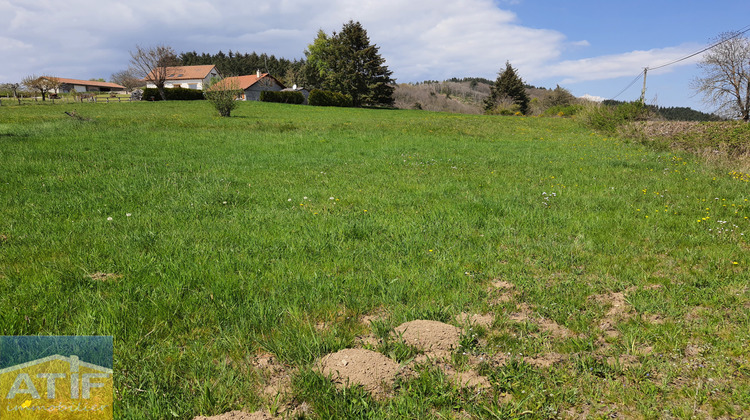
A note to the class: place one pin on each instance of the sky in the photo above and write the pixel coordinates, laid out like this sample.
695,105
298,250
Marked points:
590,47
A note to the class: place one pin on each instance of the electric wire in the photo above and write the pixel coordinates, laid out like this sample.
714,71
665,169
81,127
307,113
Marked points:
716,44
637,78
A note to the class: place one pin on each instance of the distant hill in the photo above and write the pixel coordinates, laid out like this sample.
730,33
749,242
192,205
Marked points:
466,96
676,113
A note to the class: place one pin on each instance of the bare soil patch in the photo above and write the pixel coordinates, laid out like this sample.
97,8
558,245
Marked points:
99,276
504,291
238,415
618,310
359,366
549,326
546,360
436,339
466,318
275,375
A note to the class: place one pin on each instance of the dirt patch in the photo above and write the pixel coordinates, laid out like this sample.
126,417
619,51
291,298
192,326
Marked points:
363,367
554,329
522,314
276,376
436,339
99,276
618,310
546,360
502,284
625,361
504,290
468,379
475,319
654,318
238,415
549,326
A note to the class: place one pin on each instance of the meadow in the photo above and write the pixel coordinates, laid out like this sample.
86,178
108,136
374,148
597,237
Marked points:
289,232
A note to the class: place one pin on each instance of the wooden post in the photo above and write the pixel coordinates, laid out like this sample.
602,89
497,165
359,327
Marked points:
643,91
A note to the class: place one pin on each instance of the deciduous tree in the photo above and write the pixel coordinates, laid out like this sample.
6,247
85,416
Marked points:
44,84
13,87
151,64
127,79
726,76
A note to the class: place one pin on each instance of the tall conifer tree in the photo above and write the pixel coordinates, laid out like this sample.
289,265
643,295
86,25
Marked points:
508,84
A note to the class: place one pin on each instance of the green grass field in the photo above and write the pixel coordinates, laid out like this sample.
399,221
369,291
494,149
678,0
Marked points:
199,242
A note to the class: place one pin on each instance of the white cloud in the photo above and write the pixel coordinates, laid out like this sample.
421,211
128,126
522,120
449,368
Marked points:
420,39
592,98
617,65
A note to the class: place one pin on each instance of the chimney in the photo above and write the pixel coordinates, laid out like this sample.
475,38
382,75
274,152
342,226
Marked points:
257,73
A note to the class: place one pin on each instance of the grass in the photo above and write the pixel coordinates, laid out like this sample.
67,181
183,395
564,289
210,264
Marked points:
199,241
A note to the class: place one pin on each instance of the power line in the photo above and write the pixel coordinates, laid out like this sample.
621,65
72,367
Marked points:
716,44
629,85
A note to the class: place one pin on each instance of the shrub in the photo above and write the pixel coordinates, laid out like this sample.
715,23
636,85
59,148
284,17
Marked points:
223,96
608,118
296,98
562,111
173,94
327,98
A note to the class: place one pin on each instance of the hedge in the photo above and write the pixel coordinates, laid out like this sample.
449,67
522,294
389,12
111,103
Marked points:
326,98
173,94
288,97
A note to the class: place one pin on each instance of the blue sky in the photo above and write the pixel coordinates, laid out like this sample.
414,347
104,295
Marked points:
589,47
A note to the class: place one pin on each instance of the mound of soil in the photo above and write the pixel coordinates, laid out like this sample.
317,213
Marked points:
238,415
435,338
359,366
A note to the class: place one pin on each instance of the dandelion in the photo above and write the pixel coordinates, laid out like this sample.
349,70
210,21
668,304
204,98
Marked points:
289,199
304,198
735,262
109,218
128,214
330,198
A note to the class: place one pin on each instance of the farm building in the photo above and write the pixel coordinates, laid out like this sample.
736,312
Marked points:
252,85
189,77
75,85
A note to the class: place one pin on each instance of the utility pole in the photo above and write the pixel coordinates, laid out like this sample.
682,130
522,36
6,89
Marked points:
643,91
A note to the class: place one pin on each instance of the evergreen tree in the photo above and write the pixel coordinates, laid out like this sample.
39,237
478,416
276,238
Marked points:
508,85
347,63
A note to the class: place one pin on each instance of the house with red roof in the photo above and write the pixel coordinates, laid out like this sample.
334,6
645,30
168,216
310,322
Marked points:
251,85
189,77
75,85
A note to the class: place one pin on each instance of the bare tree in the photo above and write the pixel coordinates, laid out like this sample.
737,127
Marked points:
44,84
151,64
13,87
726,80
127,79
